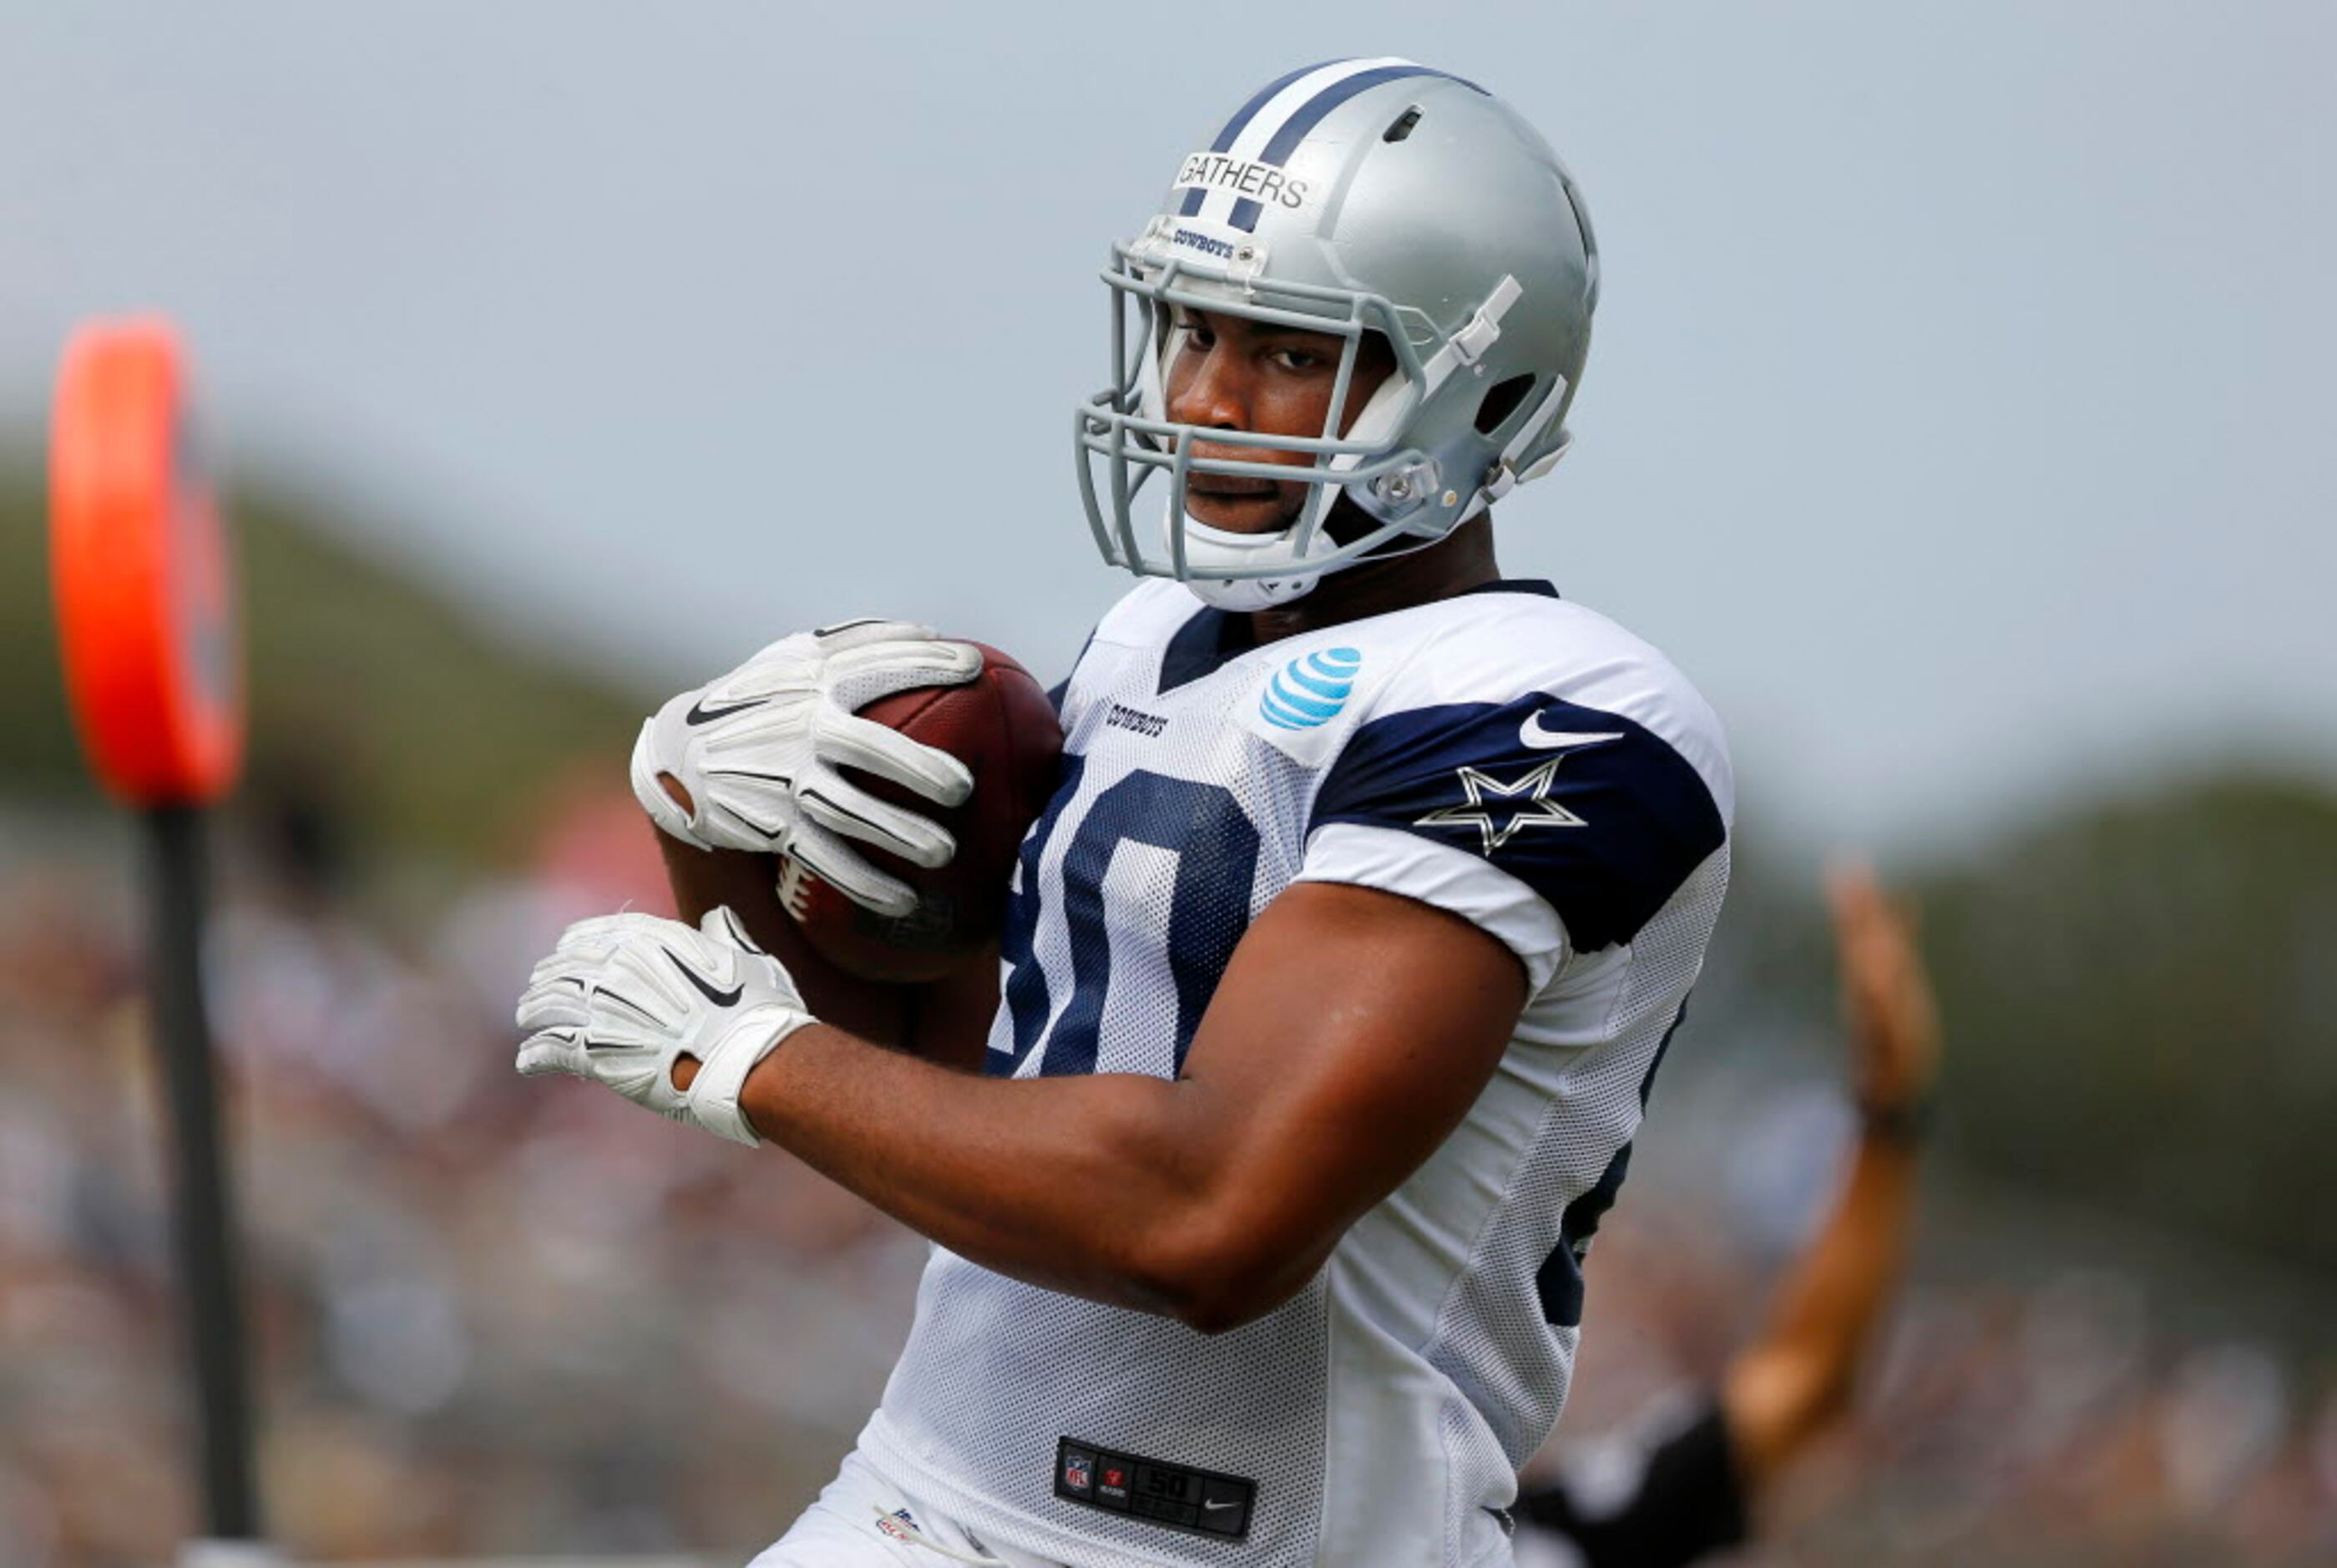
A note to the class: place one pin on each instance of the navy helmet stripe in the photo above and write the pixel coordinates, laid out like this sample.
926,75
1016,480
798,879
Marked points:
1248,110
1191,207
1310,114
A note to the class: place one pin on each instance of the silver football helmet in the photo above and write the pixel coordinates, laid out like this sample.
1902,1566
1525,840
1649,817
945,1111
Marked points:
1354,197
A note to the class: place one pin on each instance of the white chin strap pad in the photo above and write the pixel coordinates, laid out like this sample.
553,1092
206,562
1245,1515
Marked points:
1203,544
1210,551
1252,593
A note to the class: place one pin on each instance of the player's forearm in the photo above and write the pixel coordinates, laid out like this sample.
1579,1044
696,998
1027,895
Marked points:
1080,1184
1831,1299
1785,1385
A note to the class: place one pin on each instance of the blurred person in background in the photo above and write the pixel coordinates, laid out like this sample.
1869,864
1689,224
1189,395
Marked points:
1684,1480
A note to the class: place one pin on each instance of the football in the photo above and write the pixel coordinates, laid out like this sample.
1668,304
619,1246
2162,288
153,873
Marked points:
1001,726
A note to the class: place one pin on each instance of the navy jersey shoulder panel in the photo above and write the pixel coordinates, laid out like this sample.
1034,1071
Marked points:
1591,810
1201,646
1062,689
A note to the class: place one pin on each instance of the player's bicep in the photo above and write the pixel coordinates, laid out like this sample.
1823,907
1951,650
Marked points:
1350,1034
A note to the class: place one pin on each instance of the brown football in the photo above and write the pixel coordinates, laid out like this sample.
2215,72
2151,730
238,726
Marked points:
1001,726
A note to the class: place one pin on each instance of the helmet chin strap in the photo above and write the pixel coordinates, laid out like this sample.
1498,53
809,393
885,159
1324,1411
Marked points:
1206,546
1246,593
1208,551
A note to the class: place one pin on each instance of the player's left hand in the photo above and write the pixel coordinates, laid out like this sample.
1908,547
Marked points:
623,999
760,758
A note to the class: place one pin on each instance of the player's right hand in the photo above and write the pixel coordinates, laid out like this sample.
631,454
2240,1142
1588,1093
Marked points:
1886,993
756,755
624,1000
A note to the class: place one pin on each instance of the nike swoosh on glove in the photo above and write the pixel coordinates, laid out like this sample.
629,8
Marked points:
759,752
623,997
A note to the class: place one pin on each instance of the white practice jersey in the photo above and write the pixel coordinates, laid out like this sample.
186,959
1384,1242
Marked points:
1504,755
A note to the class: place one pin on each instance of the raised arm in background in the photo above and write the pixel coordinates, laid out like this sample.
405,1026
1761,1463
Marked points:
1781,1390
1693,1479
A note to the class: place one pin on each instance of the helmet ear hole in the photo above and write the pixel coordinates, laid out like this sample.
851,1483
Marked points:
1502,399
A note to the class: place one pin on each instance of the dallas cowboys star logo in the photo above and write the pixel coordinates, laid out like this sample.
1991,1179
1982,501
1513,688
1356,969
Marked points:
1526,801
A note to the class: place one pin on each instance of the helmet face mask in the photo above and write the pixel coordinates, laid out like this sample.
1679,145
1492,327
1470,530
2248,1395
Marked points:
1414,462
1129,429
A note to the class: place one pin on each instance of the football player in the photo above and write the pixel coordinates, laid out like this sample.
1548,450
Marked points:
1339,965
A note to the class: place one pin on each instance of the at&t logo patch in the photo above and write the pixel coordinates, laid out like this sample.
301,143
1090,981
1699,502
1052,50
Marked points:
1310,689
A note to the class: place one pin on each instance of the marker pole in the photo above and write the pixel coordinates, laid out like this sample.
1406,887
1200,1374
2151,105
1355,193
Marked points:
145,581
210,1308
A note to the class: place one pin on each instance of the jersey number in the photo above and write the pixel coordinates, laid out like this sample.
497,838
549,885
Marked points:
1559,1282
1215,846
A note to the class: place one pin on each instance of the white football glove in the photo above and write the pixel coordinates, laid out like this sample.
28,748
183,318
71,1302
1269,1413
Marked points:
758,750
623,996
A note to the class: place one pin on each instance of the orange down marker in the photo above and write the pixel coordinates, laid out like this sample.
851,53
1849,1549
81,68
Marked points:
139,566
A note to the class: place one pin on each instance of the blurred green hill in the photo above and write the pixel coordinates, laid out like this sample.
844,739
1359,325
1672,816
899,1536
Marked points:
2141,997
435,731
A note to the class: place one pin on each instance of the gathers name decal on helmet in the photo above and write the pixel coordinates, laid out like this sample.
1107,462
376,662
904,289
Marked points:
1263,182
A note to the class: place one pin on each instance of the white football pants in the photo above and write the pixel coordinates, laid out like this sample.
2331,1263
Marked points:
862,1521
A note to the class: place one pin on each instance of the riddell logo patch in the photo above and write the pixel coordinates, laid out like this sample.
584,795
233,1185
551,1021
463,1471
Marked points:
1267,184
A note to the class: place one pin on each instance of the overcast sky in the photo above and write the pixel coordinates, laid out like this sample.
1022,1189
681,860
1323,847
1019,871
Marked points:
1958,415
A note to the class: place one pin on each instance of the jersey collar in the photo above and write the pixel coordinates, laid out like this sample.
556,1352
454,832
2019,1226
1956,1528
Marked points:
1212,638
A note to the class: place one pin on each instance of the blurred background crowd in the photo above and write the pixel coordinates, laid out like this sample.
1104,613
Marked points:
495,1318
1958,421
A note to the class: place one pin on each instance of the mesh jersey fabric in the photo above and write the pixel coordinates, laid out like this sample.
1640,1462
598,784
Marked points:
1508,756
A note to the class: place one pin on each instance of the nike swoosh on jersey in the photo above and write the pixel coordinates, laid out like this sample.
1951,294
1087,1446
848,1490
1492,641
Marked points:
699,713
1532,734
719,998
